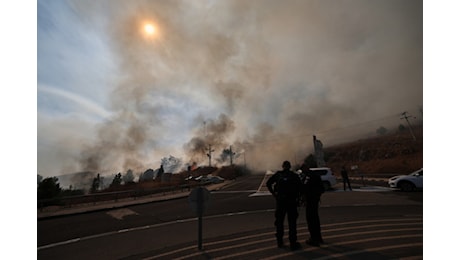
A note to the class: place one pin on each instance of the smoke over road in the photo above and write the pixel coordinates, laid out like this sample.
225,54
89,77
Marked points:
262,76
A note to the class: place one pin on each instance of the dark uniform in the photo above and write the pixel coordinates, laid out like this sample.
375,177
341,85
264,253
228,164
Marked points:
345,178
285,186
312,189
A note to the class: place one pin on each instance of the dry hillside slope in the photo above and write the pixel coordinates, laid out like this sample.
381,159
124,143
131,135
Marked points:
390,153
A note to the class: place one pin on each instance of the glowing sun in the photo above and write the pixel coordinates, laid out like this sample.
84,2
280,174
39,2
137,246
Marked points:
149,29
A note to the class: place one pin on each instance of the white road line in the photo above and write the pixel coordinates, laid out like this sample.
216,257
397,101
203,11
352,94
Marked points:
415,257
226,248
233,191
286,231
59,243
239,254
121,213
374,249
373,232
74,240
354,242
170,252
369,221
210,244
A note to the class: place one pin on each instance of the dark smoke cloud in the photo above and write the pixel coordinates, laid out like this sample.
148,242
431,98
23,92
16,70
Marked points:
272,72
214,136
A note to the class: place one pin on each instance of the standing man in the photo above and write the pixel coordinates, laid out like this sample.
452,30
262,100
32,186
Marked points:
345,178
312,189
285,186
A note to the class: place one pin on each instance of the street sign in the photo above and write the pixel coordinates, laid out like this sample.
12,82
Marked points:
198,199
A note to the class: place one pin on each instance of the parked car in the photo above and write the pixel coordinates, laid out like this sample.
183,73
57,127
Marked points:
326,174
202,178
216,179
408,182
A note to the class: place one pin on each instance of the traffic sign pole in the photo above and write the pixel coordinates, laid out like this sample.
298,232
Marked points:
198,201
200,218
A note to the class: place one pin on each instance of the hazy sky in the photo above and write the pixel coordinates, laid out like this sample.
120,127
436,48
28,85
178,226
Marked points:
262,76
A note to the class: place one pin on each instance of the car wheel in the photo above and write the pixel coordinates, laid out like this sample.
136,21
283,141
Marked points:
406,186
327,185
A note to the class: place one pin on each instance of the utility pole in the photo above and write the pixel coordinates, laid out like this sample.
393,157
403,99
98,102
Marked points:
209,154
231,155
405,116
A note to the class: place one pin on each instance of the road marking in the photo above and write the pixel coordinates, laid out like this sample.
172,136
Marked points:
260,193
415,257
227,247
74,240
299,234
356,251
239,254
121,213
233,191
305,250
59,243
374,249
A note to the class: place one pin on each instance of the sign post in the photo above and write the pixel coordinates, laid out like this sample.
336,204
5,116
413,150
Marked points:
198,200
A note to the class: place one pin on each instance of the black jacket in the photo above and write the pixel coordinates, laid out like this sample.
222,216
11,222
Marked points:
284,185
312,186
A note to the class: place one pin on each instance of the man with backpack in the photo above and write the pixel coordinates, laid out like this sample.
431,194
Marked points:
285,186
312,189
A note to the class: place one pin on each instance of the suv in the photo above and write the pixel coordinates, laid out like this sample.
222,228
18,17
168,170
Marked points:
327,176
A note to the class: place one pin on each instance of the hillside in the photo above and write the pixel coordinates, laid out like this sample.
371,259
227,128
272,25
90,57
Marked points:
394,152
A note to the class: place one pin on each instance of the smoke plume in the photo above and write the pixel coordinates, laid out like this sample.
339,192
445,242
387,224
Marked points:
262,76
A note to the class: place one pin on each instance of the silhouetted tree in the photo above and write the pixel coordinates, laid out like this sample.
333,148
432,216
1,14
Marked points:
48,188
147,175
128,177
116,181
96,183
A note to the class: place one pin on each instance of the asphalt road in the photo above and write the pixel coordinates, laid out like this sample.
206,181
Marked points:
368,222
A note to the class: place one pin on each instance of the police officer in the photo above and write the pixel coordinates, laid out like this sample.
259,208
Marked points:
312,189
285,187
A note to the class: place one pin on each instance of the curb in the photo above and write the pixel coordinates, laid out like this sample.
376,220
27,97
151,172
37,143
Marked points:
120,204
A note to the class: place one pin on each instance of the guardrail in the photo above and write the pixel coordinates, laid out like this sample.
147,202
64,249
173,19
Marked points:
104,197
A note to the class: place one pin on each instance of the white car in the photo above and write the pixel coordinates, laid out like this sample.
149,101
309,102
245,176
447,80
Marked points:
327,176
409,182
201,178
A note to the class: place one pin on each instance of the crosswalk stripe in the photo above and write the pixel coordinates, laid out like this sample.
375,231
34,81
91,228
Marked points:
354,242
374,249
246,252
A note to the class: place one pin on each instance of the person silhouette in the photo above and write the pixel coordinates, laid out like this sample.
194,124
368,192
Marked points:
312,189
285,186
345,178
